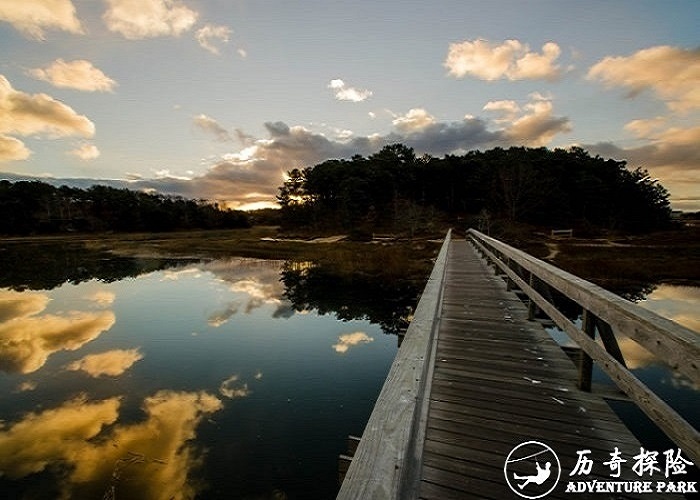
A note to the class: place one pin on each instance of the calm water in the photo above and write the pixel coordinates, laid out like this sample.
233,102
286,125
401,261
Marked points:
226,379
200,379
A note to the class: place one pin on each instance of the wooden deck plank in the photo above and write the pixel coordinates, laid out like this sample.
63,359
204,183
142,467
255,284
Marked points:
498,381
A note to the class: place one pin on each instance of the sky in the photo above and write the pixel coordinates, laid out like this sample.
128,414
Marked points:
218,99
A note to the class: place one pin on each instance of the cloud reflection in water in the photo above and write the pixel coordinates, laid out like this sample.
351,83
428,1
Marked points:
255,283
111,363
27,339
348,340
149,460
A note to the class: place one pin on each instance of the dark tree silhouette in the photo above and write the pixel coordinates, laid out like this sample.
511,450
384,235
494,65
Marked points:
393,188
34,207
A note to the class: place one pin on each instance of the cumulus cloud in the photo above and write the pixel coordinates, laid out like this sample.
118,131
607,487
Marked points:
416,119
348,340
210,35
506,109
28,114
537,126
87,437
671,73
12,149
32,17
86,152
79,75
645,127
32,114
512,60
212,127
135,19
111,363
343,92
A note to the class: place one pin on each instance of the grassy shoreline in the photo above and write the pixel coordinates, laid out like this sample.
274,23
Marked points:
668,257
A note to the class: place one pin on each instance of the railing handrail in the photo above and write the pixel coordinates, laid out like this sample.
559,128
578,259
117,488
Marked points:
385,461
672,343
675,344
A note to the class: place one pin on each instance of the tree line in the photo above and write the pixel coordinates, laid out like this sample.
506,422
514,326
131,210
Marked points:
396,189
35,207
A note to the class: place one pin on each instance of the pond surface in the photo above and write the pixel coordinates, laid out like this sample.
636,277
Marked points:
198,380
237,378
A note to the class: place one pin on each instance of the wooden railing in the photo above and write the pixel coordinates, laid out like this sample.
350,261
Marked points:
386,462
608,314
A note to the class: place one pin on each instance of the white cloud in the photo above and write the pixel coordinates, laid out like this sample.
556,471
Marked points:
506,108
28,114
79,75
532,125
86,152
136,19
211,126
672,73
32,17
512,60
12,149
415,119
210,35
646,127
344,93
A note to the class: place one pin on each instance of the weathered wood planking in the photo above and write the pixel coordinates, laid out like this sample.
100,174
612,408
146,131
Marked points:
473,379
498,381
674,344
391,442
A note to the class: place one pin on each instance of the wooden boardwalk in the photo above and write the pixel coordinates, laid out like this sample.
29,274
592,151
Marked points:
478,394
499,380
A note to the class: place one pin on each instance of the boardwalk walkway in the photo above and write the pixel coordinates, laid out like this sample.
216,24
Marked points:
473,381
499,380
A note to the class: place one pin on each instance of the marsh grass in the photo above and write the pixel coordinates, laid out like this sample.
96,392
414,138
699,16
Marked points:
670,257
396,259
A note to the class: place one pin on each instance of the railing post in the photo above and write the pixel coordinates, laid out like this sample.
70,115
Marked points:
509,282
585,367
609,340
531,307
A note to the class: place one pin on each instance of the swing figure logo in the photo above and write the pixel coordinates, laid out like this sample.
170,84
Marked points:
532,470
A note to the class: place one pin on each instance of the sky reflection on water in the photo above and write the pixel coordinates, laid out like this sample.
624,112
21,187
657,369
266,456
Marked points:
201,379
